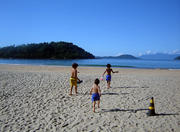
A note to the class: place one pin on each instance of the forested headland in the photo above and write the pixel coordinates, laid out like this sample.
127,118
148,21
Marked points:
52,50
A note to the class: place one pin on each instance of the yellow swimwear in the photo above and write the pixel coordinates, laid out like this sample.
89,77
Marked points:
73,81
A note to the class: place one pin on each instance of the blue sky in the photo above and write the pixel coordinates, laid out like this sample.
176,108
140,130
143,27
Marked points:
102,27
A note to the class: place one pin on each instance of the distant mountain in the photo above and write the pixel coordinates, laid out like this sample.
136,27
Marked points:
177,58
52,50
159,56
125,56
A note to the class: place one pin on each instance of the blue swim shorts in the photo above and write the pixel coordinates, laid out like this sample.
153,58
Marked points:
108,77
95,97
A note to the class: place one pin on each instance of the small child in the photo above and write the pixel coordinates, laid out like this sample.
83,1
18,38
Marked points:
108,76
74,78
96,93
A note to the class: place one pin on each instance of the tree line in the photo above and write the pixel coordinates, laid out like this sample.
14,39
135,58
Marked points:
52,50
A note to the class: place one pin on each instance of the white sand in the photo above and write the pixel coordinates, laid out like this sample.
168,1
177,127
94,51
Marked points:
35,98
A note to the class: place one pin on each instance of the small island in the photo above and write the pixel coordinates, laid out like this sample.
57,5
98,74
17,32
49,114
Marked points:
52,50
125,56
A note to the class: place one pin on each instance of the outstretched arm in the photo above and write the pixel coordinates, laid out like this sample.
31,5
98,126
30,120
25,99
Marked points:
115,71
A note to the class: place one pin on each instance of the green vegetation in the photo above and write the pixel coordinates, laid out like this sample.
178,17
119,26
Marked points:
52,50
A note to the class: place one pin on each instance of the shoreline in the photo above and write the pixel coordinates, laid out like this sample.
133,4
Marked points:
92,66
116,63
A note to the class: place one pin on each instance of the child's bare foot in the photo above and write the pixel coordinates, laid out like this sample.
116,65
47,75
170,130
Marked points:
70,94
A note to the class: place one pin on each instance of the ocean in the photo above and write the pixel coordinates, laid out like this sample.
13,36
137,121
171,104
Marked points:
123,63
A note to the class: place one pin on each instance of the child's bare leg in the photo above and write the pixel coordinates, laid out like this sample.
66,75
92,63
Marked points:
108,84
71,90
76,89
98,103
94,103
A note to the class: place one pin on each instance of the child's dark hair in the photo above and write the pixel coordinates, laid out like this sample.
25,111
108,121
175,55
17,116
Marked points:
108,65
75,65
96,81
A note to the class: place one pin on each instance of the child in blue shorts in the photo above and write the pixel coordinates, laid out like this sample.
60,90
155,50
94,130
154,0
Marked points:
96,93
108,76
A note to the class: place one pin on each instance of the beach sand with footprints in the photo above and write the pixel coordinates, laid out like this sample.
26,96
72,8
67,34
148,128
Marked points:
36,98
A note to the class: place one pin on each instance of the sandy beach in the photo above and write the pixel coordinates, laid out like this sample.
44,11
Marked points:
36,99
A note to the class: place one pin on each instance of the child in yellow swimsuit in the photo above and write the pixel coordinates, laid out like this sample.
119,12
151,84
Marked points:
74,78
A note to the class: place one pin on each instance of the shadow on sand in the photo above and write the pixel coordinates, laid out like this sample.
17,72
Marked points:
132,87
79,93
135,110
166,114
114,93
109,94
86,93
124,110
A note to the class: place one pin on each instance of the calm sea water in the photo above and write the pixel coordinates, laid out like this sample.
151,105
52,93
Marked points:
167,64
